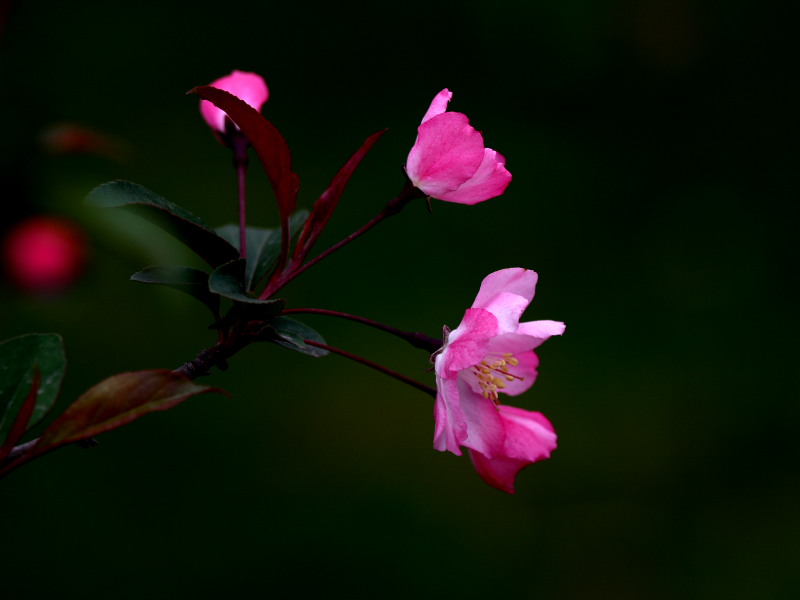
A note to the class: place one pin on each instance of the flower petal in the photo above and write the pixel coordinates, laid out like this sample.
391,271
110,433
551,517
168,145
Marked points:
485,432
451,426
489,181
512,343
447,153
468,344
439,104
515,281
507,309
529,435
499,473
541,330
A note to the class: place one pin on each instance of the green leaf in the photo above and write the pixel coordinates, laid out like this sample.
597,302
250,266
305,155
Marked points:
117,401
184,279
290,334
173,219
19,357
228,281
263,246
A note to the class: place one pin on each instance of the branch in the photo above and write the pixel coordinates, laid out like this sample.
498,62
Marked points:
199,366
372,365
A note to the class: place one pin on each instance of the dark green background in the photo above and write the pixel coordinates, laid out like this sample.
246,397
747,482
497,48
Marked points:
654,149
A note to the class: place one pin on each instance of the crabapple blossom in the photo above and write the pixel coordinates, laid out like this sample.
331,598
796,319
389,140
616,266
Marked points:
488,354
449,161
249,87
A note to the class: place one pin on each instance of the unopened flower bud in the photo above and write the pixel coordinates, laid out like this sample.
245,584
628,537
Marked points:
248,87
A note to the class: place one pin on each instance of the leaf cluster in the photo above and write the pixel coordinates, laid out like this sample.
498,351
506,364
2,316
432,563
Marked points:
32,366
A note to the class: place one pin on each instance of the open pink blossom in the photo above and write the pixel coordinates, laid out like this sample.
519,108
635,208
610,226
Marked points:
449,161
249,87
488,354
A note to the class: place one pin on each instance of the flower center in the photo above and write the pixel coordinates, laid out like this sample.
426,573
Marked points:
492,373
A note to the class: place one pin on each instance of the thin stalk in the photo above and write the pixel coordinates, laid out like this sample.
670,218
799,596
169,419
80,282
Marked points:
393,207
368,363
239,145
415,338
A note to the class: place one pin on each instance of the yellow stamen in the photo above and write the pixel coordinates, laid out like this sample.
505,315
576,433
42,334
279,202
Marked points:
492,375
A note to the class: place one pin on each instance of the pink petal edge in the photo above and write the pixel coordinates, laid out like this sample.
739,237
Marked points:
438,105
515,280
245,85
489,181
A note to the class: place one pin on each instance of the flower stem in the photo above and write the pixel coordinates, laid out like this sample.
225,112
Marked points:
393,207
368,363
415,338
239,145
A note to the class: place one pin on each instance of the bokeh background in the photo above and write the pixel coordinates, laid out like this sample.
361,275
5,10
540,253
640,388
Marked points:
654,147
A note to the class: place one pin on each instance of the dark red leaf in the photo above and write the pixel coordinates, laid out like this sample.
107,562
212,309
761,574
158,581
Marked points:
271,148
112,403
327,202
117,401
23,417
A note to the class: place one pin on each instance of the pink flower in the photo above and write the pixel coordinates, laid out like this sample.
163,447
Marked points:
449,161
249,87
488,354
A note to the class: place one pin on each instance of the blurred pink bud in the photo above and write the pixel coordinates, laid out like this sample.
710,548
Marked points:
44,254
449,161
249,87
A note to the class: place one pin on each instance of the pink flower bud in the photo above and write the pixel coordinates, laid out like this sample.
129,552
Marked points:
449,161
44,254
248,87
